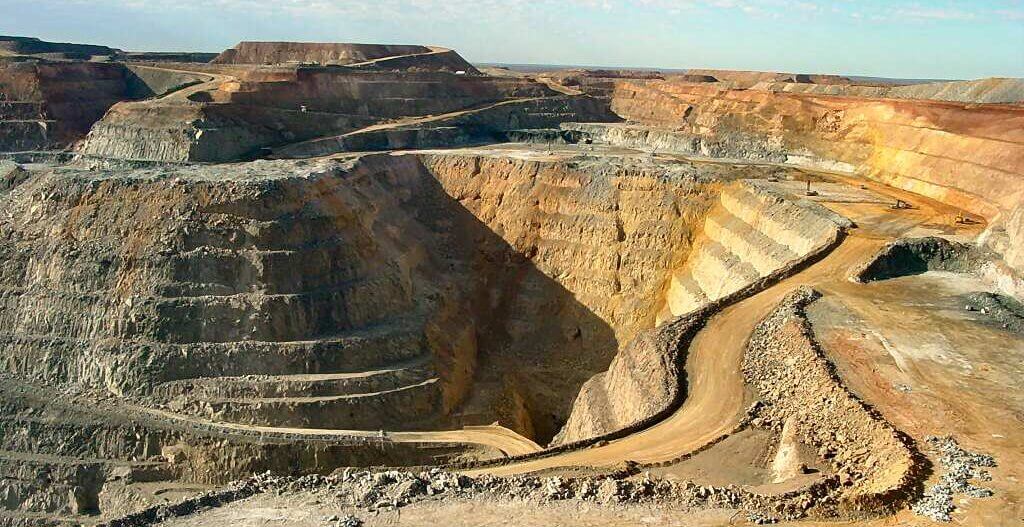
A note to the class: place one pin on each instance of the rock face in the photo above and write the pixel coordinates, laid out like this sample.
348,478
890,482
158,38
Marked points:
750,234
66,459
378,291
49,105
195,278
965,156
238,119
644,379
489,124
385,56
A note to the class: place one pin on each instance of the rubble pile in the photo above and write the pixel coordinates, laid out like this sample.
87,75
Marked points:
960,467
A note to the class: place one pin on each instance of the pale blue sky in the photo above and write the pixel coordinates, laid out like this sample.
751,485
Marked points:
924,39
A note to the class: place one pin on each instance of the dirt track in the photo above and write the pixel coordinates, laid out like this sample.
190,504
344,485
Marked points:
716,394
498,437
716,398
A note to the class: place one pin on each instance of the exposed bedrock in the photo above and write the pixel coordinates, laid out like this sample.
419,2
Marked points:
382,56
67,460
494,123
877,466
49,105
749,238
384,291
1005,237
241,118
967,156
909,256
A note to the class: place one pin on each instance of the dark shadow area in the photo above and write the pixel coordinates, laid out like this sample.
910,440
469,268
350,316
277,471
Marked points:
911,256
536,344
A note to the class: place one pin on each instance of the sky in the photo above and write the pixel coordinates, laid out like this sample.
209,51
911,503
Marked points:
938,39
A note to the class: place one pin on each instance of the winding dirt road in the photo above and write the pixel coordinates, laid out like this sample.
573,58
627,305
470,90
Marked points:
716,396
494,436
716,399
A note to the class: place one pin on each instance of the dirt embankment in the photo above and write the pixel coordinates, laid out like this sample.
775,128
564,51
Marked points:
986,91
877,466
312,52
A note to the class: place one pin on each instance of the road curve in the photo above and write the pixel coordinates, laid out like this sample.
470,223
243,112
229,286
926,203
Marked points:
715,400
494,436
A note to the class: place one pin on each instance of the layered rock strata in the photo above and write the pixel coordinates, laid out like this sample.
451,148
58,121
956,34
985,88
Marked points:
750,237
49,105
238,119
962,155
396,291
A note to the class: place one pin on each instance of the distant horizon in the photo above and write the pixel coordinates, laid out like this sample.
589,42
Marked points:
852,76
921,39
526,67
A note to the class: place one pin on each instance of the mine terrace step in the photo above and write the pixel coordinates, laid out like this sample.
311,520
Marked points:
326,398
743,239
301,385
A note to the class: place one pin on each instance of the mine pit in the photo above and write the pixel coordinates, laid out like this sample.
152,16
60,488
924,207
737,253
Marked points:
347,284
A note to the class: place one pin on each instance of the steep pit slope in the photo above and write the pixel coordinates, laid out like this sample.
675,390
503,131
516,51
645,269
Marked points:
237,118
387,56
750,238
206,276
46,105
375,292
968,156
599,235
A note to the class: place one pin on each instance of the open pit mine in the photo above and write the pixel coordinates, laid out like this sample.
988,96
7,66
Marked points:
358,285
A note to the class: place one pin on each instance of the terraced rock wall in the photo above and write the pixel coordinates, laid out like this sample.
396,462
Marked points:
398,291
167,131
749,237
968,156
242,117
65,459
492,124
49,105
